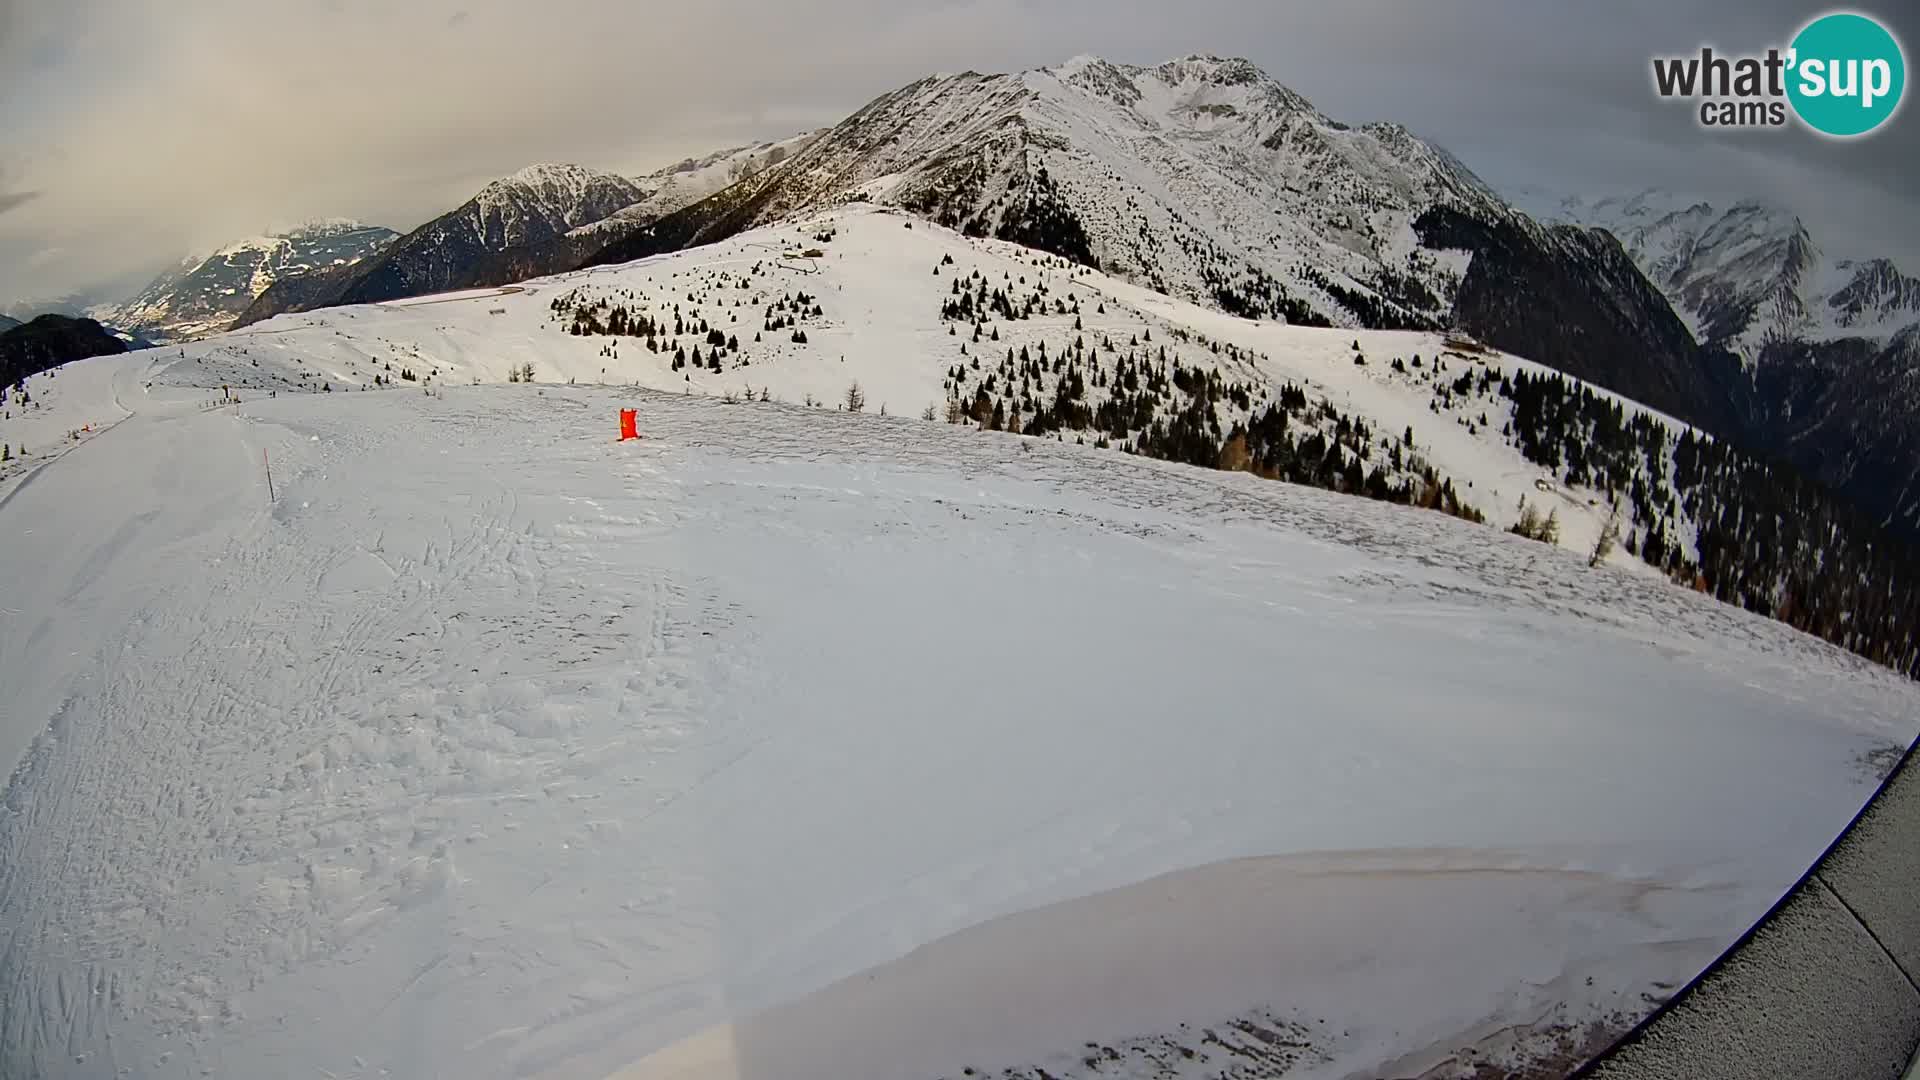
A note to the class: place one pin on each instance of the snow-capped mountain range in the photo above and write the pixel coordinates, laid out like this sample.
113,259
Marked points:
535,203
465,593
205,293
1206,180
540,208
1201,177
689,181
533,206
1746,274
1829,346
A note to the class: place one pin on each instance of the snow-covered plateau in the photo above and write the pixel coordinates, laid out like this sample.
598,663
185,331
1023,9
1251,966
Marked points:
785,742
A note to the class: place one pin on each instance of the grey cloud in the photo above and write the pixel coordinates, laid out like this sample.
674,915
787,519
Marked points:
14,199
244,114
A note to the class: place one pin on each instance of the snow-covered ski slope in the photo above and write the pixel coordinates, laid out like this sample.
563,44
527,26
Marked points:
494,747
48,414
791,743
874,280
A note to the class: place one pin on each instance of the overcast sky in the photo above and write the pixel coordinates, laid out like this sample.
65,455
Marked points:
135,131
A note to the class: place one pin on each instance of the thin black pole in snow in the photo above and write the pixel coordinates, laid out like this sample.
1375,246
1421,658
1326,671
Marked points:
269,467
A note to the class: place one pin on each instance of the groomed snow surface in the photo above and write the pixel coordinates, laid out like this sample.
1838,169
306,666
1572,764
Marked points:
62,409
790,743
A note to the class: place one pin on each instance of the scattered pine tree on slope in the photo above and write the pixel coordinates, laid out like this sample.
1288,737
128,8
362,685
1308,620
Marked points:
1746,531
1765,538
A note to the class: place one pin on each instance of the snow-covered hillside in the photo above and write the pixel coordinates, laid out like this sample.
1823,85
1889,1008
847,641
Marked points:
206,293
881,282
788,742
1747,274
46,415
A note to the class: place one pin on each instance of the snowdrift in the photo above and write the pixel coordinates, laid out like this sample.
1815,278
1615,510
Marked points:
497,747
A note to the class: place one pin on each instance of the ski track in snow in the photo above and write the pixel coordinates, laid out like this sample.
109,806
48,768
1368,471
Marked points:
461,650
497,748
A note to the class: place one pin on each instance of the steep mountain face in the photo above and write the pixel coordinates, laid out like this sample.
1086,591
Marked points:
535,206
1576,302
1847,411
7,324
687,182
49,341
203,295
321,288
1876,294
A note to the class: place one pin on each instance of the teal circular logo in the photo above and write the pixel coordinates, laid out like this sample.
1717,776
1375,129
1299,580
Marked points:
1846,74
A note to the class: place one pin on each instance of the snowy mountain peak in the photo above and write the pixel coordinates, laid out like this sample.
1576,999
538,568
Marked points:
549,172
260,244
1099,77
1082,63
692,179
1652,202
317,229
1876,292
539,204
1758,208
1201,176
203,294
1745,272
324,226
544,200
1206,67
1201,91
553,181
